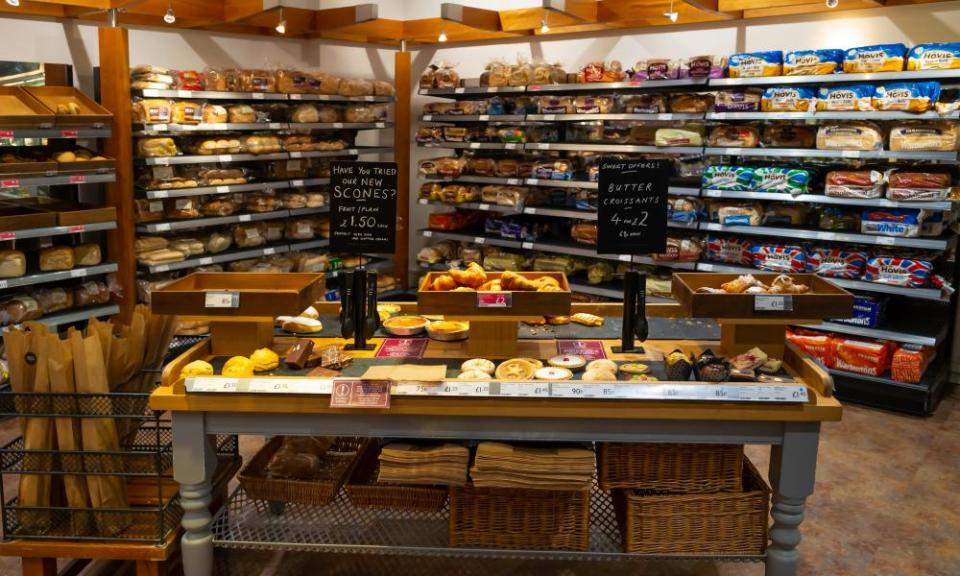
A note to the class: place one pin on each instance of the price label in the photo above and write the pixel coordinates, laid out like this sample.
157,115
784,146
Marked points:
3,284
459,90
625,258
483,117
158,128
564,390
886,240
513,181
184,93
534,88
161,268
850,154
526,245
360,394
549,117
214,384
474,145
530,210
542,146
162,227
6,133
10,183
221,300
599,390
78,273
423,201
244,218
69,133
533,181
296,183
719,116
269,251
296,96
483,207
773,303
7,235
479,240
78,179
713,193
208,127
160,194
427,117
525,389
206,261
381,124
225,158
427,233
77,229
493,89
257,96
161,162
164,172
276,126
511,146
494,299
223,189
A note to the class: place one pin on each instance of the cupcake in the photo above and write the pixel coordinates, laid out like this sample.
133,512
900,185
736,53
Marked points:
679,366
712,368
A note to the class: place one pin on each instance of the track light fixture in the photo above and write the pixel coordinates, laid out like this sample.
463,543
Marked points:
544,28
670,14
169,17
443,36
14,3
832,3
282,24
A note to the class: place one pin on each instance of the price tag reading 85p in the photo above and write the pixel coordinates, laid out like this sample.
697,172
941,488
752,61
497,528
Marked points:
773,303
221,300
494,299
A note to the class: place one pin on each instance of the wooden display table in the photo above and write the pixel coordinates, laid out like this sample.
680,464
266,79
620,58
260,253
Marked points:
791,429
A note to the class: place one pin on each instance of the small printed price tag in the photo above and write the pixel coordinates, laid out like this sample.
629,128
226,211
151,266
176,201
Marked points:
773,303
3,284
206,261
424,201
162,227
213,384
483,207
458,90
296,183
77,229
533,181
563,390
78,273
525,389
296,154
479,240
338,124
549,117
483,117
244,218
221,300
7,235
599,390
269,251
161,268
427,117
257,96
850,154
427,233
534,88
276,126
9,183
624,258
474,145
78,179
360,394
69,133
530,210
6,133
296,96
513,181
225,158
223,189
886,240
494,299
526,245
160,194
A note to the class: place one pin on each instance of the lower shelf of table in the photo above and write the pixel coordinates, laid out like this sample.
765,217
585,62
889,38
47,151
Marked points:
342,528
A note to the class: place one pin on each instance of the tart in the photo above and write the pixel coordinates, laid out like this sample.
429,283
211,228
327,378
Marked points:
536,363
478,365
515,369
567,361
634,368
405,325
603,364
448,330
553,373
643,378
473,375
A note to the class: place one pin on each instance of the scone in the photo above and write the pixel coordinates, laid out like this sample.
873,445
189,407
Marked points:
238,367
196,368
264,359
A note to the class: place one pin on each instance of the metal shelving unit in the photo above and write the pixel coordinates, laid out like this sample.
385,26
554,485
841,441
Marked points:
194,223
816,116
79,315
208,190
848,154
50,132
48,277
920,334
56,231
33,181
834,78
827,236
822,199
212,95
473,118
221,258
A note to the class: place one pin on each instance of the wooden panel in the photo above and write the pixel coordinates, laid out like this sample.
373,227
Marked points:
115,97
401,153
28,8
524,304
577,10
734,5
812,8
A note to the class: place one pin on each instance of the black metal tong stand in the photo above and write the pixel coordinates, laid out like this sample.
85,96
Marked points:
634,312
358,308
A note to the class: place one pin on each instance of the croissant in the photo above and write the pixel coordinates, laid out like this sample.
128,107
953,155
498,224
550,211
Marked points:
784,284
740,284
473,276
547,284
515,282
491,286
443,283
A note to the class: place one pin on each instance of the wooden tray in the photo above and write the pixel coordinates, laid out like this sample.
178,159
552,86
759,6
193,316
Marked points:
521,304
263,295
27,168
91,113
68,213
14,217
19,108
825,300
89,167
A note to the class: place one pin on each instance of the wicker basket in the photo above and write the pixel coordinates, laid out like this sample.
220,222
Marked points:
335,467
366,492
674,468
519,519
722,524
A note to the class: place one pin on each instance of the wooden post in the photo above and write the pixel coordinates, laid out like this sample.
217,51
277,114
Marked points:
401,146
39,566
115,96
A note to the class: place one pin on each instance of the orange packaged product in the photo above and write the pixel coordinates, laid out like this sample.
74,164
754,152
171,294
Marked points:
870,358
816,344
910,362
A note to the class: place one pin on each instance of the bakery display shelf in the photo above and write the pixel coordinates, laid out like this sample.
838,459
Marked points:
801,234
814,116
309,211
550,183
842,78
96,131
484,206
934,294
193,223
219,258
917,332
638,85
162,129
339,125
79,315
228,189
309,244
56,231
547,183
48,277
473,118
813,153
339,98
32,181
212,95
665,117
822,199
474,145
615,148
882,392
355,151
561,213
612,290
212,159
471,90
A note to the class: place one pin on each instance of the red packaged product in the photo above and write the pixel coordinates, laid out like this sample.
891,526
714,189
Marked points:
910,362
931,180
447,221
189,80
816,344
870,358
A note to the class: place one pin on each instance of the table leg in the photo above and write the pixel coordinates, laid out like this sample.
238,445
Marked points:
793,469
194,463
38,566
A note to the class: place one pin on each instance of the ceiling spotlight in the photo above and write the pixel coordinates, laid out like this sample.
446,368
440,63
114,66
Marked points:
544,28
442,37
282,24
670,14
832,3
169,17
14,3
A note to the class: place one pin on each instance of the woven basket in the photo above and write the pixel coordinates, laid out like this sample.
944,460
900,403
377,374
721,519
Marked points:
366,492
519,519
335,467
725,523
674,468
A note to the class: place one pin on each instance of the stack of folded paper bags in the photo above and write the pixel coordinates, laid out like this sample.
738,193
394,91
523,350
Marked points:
436,465
566,467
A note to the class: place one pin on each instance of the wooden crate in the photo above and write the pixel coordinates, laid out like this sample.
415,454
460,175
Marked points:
16,217
19,108
522,304
260,295
66,212
91,113
16,169
825,299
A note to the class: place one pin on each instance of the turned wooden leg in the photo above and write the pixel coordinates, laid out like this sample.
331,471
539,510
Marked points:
793,468
148,568
194,464
38,566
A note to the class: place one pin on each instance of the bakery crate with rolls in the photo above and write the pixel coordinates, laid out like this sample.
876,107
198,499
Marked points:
780,167
53,265
233,167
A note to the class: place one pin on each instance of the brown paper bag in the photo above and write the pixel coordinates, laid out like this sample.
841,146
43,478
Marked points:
36,489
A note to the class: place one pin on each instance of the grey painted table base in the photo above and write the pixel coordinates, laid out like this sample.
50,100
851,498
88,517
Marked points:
792,464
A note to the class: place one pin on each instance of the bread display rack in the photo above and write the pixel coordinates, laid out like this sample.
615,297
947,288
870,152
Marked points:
935,301
39,129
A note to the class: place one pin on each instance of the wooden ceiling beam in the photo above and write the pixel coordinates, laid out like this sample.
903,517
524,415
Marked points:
28,9
735,5
92,4
333,18
527,19
479,18
581,10
807,8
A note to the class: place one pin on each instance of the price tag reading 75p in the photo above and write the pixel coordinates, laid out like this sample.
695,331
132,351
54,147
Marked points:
494,299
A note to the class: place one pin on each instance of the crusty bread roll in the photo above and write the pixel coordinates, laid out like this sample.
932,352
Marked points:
214,114
241,114
56,258
149,244
13,263
87,254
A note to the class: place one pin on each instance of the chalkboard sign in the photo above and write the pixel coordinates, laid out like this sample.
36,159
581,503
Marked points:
363,207
632,206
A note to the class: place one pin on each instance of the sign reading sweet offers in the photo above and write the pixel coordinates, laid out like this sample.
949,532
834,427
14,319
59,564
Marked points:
363,207
632,206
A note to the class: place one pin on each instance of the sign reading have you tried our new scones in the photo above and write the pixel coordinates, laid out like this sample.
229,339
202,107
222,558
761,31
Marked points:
363,207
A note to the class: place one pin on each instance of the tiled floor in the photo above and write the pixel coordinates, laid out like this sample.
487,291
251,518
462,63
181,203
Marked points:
887,503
